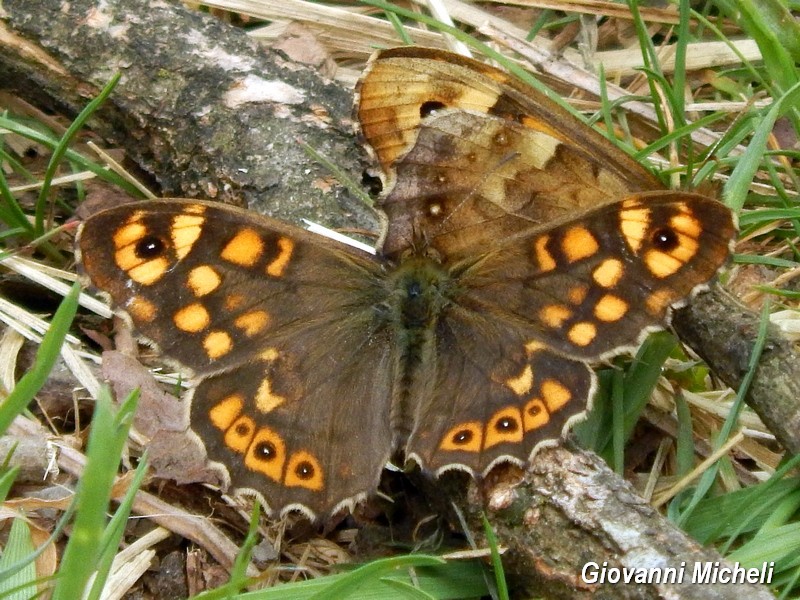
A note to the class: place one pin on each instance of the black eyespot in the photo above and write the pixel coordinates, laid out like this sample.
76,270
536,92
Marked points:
534,410
265,451
429,107
506,425
372,184
243,429
664,239
462,437
304,470
150,247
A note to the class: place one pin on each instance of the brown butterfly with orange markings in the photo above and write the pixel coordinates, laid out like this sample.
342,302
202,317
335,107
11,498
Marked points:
522,247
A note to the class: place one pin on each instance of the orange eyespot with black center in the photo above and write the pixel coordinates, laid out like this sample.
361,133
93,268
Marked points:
463,437
149,247
664,239
304,470
243,428
506,425
265,451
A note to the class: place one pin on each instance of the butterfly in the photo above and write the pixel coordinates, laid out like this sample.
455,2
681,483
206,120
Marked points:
522,247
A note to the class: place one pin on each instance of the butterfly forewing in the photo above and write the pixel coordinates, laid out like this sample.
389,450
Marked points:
208,284
594,285
403,86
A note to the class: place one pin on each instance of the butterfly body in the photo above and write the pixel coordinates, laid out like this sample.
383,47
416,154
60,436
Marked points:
515,258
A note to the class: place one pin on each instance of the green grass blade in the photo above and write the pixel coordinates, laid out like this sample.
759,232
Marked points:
49,350
775,30
20,583
116,527
738,186
684,452
85,551
497,562
61,148
378,580
239,579
618,420
7,477
707,478
12,214
345,586
73,157
638,383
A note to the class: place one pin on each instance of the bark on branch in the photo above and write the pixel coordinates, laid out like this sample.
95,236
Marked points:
203,109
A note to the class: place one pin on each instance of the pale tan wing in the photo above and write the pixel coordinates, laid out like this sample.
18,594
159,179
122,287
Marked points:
470,153
472,180
402,86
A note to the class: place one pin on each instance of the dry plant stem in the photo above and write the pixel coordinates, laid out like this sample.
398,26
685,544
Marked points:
170,111
582,78
193,527
723,332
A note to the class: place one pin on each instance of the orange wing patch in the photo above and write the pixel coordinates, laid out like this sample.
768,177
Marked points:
244,249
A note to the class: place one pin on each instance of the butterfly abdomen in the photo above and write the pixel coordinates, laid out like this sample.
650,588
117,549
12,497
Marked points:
418,294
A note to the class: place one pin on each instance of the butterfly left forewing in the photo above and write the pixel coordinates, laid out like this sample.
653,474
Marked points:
206,282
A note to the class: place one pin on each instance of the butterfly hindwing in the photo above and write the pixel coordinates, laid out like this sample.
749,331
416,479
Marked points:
499,394
291,425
